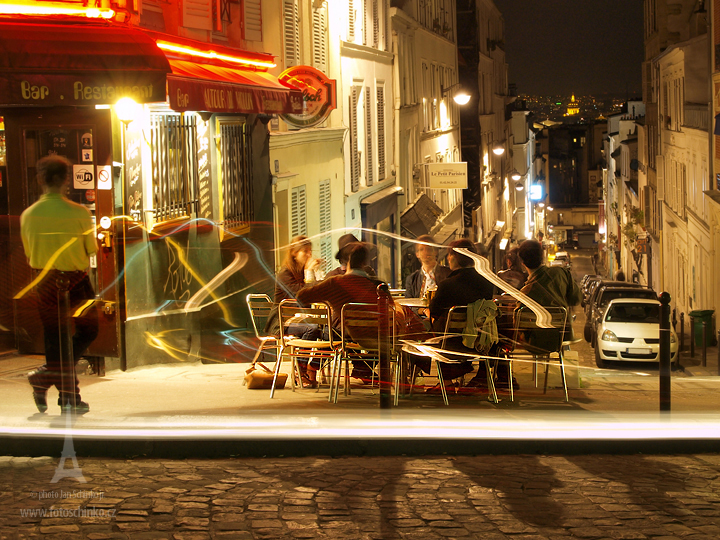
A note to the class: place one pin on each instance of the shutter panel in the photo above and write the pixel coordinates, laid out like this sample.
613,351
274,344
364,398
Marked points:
252,20
319,42
197,14
354,156
291,33
325,221
660,177
351,20
365,25
298,221
376,23
370,176
381,131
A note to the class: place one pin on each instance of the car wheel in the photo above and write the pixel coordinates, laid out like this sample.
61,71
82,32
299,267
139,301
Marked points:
599,362
593,340
587,333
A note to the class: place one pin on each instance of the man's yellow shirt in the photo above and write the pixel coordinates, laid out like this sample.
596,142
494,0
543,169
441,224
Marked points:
57,233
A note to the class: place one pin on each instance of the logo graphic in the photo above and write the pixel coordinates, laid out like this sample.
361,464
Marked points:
318,92
68,453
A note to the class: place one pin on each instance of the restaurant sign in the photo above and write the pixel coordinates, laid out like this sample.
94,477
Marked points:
447,175
201,95
318,95
69,90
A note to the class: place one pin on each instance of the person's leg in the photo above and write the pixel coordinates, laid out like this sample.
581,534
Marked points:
49,374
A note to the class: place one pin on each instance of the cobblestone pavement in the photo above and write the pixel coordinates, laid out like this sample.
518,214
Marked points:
524,497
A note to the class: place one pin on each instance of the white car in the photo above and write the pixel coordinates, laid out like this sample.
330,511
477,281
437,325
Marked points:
561,259
630,331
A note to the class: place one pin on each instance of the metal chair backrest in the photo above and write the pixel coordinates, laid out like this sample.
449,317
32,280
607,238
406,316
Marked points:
454,324
290,312
261,308
359,324
542,340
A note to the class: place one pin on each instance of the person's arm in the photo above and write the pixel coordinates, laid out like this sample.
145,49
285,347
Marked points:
409,288
574,294
315,293
90,237
289,281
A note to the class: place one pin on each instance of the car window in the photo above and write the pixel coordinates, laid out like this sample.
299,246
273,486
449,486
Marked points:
605,298
634,313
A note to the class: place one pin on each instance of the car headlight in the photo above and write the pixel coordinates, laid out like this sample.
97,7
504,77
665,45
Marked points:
609,335
673,338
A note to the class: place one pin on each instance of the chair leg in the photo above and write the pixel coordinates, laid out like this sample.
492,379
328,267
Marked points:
547,371
413,379
562,373
491,382
277,371
510,379
397,378
443,391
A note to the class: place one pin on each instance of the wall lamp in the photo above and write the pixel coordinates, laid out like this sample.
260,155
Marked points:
459,96
498,149
519,186
515,175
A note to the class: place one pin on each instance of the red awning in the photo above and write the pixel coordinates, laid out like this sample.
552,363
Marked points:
213,88
78,64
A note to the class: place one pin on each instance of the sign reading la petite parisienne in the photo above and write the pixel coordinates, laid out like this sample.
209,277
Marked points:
447,175
319,96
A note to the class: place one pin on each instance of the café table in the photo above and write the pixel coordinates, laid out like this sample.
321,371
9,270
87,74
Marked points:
411,302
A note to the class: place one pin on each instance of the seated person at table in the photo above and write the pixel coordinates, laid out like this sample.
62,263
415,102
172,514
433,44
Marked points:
514,273
430,274
345,245
297,272
353,286
549,286
462,287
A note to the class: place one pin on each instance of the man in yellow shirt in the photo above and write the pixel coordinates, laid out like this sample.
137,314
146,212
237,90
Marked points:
58,236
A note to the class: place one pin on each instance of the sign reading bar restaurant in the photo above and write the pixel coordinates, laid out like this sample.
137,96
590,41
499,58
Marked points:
318,95
447,175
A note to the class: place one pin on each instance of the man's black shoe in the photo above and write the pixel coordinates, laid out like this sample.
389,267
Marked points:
40,400
80,408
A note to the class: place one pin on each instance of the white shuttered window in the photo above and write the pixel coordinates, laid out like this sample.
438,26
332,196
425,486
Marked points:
291,32
381,131
325,222
370,169
252,20
319,40
298,215
197,14
354,150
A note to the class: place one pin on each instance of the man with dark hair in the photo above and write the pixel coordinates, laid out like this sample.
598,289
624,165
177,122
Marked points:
462,287
58,236
549,287
353,286
345,245
430,274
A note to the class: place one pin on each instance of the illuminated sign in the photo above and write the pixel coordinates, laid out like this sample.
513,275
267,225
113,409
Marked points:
536,192
318,92
447,175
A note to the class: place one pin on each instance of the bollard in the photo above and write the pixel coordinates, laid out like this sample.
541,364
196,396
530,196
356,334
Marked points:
704,344
384,354
665,351
692,336
718,368
67,362
674,318
682,334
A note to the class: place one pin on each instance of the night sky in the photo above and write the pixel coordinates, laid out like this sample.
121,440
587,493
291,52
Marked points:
581,46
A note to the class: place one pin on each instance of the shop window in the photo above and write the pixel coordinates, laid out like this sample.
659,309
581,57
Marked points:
174,150
236,168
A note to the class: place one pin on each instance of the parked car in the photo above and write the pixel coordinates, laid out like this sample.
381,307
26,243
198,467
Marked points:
595,288
629,331
585,286
602,298
561,259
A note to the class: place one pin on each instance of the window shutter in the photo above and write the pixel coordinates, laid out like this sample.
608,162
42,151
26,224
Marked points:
370,177
381,131
291,26
197,14
252,20
325,221
319,21
298,222
376,23
354,156
660,177
351,20
365,22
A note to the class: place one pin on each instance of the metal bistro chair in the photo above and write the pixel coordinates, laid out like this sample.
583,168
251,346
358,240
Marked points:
542,345
357,318
289,312
455,326
261,307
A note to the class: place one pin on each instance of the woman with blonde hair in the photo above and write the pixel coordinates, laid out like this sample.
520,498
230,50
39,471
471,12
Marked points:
297,271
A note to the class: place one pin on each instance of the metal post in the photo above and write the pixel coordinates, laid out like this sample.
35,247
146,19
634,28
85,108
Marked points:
692,336
67,361
704,343
384,337
665,351
682,334
718,368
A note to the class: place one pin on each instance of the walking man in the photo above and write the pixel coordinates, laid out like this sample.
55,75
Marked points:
58,236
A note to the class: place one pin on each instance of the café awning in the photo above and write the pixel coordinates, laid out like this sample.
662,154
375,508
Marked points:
73,64
194,86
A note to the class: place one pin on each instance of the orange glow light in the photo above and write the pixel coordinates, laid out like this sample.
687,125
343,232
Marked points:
183,49
25,9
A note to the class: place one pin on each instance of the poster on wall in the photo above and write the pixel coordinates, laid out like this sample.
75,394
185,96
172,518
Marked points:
203,136
133,175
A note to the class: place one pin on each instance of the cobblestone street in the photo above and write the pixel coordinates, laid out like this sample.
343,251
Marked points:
524,497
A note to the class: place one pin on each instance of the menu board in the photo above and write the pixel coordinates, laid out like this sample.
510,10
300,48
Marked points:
205,195
133,174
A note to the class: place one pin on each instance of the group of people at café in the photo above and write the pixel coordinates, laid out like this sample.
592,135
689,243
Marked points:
456,284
